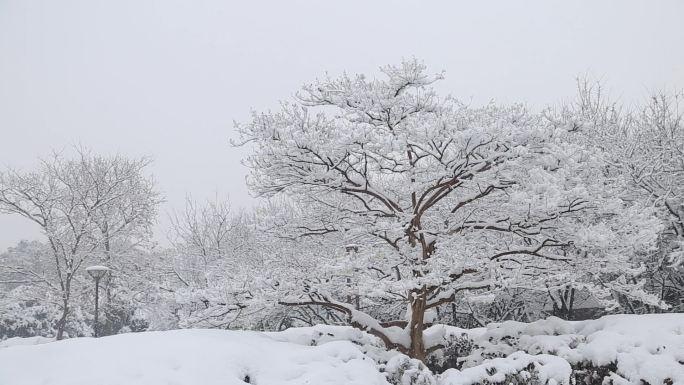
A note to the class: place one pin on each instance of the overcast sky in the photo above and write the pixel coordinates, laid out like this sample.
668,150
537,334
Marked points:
167,78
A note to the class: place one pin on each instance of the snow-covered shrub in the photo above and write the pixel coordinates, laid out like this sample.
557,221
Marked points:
119,317
403,370
517,368
26,320
22,314
449,356
589,374
626,349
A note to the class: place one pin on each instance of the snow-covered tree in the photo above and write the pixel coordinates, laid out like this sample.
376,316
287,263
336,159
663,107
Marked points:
656,165
437,199
82,205
212,265
202,235
646,147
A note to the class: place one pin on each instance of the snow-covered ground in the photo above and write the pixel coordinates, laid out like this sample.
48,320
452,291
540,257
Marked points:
186,357
18,341
625,349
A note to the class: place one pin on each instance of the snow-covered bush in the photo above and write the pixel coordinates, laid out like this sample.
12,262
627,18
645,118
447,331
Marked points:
25,320
517,368
22,315
403,370
626,348
454,347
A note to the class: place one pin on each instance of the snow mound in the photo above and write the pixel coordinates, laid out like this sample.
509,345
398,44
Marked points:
186,357
320,334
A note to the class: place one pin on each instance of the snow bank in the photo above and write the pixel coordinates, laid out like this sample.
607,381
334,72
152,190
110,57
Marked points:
186,357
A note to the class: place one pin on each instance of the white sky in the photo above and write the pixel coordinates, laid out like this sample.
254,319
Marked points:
167,78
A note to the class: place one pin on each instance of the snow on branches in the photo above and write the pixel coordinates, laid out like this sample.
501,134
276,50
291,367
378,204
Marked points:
442,197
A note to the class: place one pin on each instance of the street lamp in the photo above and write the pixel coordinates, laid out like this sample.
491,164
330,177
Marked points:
97,272
352,249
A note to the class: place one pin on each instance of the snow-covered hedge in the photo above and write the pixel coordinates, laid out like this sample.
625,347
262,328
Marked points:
624,349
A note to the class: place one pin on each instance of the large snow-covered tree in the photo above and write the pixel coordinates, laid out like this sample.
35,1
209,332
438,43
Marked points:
438,198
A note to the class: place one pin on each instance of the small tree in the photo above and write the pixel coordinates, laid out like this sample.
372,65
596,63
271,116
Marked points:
442,198
81,205
202,235
213,266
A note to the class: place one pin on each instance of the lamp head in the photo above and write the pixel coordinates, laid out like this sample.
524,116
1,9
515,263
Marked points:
97,272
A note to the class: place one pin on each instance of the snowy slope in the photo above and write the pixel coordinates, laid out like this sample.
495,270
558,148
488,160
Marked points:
186,357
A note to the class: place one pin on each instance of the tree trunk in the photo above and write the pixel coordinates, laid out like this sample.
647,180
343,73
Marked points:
417,326
61,324
66,294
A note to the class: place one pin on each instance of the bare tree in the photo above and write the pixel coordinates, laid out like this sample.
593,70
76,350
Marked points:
203,231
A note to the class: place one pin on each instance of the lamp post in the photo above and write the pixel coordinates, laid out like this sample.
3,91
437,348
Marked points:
97,272
352,249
